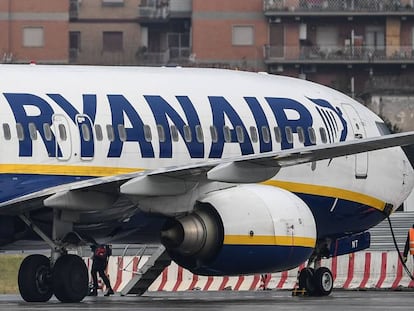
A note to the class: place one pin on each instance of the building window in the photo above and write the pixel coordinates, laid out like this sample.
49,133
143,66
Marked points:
112,2
243,35
33,37
113,41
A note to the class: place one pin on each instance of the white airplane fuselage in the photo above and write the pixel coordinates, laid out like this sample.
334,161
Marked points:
213,116
262,168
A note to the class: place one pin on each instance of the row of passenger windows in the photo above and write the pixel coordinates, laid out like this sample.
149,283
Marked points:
189,136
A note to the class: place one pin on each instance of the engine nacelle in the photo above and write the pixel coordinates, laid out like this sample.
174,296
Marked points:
242,230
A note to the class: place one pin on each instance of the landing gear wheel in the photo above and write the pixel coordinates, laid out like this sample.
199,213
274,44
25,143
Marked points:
34,279
306,282
70,279
323,281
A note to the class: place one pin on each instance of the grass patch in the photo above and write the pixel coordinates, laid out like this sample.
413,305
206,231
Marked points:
9,268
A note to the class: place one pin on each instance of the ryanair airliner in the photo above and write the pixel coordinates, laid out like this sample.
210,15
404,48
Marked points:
233,172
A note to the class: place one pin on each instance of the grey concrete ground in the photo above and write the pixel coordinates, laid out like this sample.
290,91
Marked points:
229,301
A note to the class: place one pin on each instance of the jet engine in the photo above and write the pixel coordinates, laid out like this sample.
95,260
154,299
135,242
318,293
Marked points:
245,229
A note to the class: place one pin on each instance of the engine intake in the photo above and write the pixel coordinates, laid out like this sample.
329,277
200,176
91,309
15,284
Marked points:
199,234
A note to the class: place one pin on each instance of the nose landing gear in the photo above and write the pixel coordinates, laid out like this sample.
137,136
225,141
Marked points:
317,282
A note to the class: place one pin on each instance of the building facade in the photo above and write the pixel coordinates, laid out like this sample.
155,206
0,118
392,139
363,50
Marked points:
351,45
34,31
104,32
355,46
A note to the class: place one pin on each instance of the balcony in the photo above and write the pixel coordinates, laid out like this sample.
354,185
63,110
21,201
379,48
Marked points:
162,10
337,7
338,54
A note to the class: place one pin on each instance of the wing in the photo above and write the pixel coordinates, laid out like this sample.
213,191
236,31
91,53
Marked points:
180,179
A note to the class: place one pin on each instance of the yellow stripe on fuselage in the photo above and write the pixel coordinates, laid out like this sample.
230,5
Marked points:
70,170
102,171
269,240
328,192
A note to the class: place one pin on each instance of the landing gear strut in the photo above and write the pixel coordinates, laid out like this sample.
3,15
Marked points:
64,275
316,281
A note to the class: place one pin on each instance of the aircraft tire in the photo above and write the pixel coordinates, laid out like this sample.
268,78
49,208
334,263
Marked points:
70,279
34,279
306,280
323,281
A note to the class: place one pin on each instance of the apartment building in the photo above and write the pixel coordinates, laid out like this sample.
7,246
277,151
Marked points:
229,33
351,45
104,32
34,31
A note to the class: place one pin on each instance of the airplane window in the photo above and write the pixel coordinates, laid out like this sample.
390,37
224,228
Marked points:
98,132
161,133
324,138
289,134
122,132
86,134
199,133
47,131
278,135
266,134
147,133
227,134
20,132
239,134
174,132
110,132
213,133
62,132
32,131
301,134
312,135
187,133
253,134
6,130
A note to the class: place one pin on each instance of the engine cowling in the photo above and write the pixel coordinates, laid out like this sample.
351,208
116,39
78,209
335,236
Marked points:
242,230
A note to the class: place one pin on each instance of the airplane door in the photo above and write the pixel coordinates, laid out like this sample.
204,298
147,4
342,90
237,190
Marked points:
86,137
63,138
361,159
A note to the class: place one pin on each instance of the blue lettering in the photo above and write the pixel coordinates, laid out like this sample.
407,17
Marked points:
161,110
17,103
279,107
221,108
120,106
261,121
321,103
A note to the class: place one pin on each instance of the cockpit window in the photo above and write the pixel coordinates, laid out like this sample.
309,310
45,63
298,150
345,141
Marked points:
383,128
